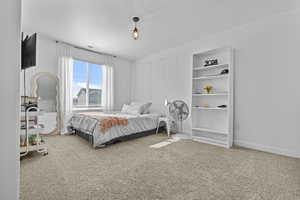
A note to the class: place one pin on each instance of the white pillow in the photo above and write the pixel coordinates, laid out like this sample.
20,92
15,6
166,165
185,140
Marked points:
131,109
134,109
147,108
125,108
144,107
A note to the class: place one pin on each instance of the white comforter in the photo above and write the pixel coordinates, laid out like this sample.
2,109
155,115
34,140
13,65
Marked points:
136,124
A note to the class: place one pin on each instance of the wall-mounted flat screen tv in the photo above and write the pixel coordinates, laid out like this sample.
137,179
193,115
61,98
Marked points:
29,51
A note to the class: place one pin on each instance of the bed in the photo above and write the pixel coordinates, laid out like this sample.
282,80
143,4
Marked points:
88,126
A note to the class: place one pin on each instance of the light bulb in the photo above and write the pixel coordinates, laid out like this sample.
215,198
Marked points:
166,102
135,33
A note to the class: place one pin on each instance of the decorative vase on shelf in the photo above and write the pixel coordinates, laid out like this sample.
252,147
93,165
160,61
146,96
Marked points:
208,88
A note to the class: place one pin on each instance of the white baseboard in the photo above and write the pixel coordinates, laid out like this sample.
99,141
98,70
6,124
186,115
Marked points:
258,147
182,136
267,149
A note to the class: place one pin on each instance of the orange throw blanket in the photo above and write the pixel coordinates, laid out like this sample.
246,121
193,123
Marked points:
108,122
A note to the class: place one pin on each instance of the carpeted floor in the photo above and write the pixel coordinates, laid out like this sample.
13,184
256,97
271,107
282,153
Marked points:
131,170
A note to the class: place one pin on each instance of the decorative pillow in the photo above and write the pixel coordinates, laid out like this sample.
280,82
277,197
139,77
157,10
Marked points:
143,106
131,109
125,108
134,109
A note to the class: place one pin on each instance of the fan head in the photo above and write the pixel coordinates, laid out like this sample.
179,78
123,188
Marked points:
179,110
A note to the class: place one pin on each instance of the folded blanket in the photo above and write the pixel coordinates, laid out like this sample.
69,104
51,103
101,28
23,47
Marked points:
108,122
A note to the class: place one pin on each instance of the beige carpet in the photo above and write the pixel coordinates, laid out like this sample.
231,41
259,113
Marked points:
131,170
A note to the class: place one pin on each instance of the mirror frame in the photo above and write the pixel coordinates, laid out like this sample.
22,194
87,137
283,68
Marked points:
34,90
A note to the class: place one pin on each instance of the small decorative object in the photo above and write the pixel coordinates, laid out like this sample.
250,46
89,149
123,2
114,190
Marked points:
205,105
224,71
222,106
208,88
210,62
33,139
27,102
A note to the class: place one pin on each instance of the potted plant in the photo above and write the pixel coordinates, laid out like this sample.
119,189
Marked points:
33,139
208,88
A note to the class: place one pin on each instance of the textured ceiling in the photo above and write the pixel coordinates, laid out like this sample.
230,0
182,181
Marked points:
107,25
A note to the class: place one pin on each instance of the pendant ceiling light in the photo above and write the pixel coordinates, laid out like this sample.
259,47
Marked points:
135,32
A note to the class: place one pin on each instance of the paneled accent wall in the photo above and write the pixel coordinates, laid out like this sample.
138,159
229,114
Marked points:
164,78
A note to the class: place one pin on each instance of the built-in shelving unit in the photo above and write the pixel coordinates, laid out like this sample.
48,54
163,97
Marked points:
210,123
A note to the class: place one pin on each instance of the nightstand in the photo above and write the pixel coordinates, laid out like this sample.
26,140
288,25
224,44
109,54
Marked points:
167,121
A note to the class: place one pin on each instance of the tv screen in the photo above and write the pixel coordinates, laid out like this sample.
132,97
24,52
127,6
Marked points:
29,51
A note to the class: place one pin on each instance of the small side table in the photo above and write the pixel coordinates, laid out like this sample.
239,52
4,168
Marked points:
167,122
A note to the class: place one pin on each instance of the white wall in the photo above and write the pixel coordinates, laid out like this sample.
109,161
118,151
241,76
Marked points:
10,19
47,61
267,97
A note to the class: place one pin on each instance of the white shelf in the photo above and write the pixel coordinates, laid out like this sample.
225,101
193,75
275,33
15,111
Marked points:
210,130
34,127
208,108
210,77
210,67
35,147
210,141
211,94
30,114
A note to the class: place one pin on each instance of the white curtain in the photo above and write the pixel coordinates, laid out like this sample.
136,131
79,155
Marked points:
65,74
108,84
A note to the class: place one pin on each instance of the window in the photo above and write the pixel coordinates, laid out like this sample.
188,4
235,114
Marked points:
87,85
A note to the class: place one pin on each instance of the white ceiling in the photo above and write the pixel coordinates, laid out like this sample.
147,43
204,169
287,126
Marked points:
106,24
